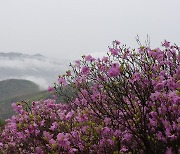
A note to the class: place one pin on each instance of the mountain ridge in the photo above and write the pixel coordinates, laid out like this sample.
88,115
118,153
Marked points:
18,54
16,87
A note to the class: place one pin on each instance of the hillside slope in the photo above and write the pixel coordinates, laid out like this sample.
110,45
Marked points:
16,87
14,90
6,110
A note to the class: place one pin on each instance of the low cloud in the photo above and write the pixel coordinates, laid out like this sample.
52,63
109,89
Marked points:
42,71
43,83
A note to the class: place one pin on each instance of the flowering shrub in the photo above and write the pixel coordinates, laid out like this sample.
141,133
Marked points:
126,102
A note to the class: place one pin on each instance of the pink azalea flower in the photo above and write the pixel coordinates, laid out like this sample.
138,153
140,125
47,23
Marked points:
111,142
89,58
69,115
72,151
60,136
47,135
114,70
84,101
50,89
62,81
117,133
124,149
85,70
54,125
77,102
169,151
77,63
166,44
107,121
114,51
52,141
39,150
105,59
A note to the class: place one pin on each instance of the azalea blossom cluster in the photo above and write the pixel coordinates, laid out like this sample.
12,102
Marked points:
53,128
125,102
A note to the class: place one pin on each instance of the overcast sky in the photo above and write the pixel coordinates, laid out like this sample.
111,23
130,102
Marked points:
67,29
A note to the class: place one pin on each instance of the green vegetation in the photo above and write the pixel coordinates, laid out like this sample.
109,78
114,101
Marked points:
5,105
17,90
2,122
15,87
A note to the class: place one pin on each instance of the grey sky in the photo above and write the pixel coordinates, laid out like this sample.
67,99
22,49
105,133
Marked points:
70,28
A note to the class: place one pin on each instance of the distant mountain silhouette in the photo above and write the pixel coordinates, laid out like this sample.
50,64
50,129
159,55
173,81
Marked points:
14,55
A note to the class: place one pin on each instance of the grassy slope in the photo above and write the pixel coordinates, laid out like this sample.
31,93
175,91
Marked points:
6,109
17,94
15,90
14,87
